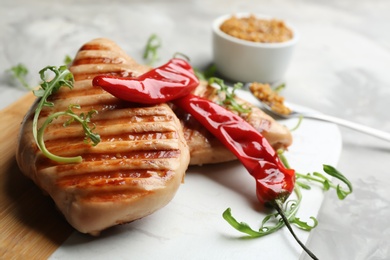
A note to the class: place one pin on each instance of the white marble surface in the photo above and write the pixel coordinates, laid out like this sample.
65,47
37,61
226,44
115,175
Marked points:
340,67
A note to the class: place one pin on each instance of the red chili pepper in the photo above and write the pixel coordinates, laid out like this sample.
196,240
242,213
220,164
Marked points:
273,181
170,81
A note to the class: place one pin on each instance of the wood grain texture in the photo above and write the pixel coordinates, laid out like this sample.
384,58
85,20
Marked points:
30,226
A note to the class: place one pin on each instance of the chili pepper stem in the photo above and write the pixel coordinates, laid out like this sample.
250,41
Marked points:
277,205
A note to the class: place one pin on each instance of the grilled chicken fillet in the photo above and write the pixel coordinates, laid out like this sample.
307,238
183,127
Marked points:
144,150
136,168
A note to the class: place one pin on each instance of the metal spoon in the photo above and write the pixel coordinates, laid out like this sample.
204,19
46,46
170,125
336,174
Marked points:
342,122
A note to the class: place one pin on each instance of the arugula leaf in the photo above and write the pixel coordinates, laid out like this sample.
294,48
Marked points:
206,74
20,72
291,206
327,183
150,52
335,173
290,210
227,95
304,225
279,88
303,185
283,158
68,60
240,226
300,119
62,77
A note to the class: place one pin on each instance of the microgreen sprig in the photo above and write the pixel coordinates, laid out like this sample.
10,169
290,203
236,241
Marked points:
342,193
20,72
227,95
290,210
62,77
150,52
68,60
279,88
291,207
208,73
83,119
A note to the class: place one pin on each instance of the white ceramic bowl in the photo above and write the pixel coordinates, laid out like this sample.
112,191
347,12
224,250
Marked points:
246,61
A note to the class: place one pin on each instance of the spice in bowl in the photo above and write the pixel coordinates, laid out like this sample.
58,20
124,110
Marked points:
256,29
252,47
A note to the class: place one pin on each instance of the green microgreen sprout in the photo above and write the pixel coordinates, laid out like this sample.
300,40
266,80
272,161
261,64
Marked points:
290,210
227,95
68,60
286,214
279,88
298,124
208,73
62,77
327,184
19,72
151,49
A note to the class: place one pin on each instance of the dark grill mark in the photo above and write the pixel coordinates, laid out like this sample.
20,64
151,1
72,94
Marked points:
94,47
118,73
44,162
96,60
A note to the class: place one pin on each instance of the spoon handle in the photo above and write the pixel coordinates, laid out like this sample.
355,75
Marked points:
358,127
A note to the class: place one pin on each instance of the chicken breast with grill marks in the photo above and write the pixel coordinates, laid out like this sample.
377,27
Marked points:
137,167
144,152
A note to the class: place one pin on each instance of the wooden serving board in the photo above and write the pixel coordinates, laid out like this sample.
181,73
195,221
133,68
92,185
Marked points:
30,225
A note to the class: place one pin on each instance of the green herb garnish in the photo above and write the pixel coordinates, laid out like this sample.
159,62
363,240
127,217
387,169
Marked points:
272,222
20,72
227,95
279,88
68,60
152,45
342,193
291,207
62,77
300,119
206,74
